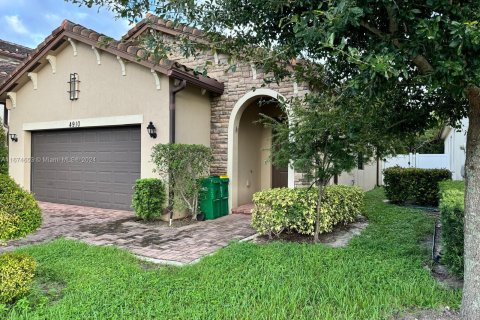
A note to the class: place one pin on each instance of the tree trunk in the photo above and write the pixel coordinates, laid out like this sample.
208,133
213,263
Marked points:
471,288
321,189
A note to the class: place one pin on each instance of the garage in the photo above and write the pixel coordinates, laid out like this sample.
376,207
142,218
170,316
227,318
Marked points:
94,167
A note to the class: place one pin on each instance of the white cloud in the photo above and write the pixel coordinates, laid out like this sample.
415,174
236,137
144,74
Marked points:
52,17
16,24
81,15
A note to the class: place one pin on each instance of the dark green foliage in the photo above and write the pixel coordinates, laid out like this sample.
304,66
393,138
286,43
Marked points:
452,216
418,185
16,275
182,166
377,276
19,212
149,198
285,209
3,151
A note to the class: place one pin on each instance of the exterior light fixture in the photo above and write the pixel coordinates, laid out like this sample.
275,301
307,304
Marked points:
13,137
152,131
73,90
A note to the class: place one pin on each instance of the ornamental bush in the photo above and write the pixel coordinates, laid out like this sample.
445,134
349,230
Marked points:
16,274
451,185
19,212
418,185
452,216
3,151
283,209
149,198
182,166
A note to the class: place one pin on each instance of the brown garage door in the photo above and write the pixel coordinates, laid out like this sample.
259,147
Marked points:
89,167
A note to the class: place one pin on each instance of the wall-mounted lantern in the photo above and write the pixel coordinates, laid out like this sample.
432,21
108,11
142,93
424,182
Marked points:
13,137
74,84
152,131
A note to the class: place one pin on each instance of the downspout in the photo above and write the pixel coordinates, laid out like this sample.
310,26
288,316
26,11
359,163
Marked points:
173,92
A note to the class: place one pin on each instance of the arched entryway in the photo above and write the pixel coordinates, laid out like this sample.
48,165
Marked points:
248,148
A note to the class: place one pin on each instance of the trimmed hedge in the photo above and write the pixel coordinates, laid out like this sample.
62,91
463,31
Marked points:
418,185
19,212
452,217
16,274
149,198
282,209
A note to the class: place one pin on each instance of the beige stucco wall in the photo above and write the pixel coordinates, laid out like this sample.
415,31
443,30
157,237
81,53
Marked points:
104,93
193,112
254,167
366,178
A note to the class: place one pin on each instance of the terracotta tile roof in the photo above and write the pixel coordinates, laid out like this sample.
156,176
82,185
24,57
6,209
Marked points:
152,21
13,50
125,49
5,69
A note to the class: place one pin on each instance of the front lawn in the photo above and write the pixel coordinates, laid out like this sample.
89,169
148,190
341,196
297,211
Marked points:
380,273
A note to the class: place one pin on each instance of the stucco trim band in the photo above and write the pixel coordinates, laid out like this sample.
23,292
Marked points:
84,123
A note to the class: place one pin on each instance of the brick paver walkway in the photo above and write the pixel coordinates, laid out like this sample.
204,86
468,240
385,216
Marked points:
121,228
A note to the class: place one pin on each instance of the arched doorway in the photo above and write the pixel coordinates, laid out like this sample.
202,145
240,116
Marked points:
248,148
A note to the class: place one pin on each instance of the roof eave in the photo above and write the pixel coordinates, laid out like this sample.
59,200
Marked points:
206,83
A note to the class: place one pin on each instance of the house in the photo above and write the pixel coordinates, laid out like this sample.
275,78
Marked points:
455,142
11,55
83,113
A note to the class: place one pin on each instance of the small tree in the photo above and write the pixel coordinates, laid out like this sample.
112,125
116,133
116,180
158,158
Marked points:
182,167
323,138
3,151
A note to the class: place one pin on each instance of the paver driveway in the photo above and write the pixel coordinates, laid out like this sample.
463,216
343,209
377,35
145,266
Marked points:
121,228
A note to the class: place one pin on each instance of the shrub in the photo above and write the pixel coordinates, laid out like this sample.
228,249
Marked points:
419,185
281,209
149,198
183,166
8,225
19,212
452,215
451,185
16,274
3,151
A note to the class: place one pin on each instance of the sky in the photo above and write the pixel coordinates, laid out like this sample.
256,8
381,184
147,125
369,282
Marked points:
29,22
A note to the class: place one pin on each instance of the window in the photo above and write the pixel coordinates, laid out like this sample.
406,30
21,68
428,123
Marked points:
360,164
73,86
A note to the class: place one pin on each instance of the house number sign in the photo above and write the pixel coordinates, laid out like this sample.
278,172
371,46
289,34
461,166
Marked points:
74,124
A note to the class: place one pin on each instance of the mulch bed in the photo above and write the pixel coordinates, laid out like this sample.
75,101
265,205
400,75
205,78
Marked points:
339,231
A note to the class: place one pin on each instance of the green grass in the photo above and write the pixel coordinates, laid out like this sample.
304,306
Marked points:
380,273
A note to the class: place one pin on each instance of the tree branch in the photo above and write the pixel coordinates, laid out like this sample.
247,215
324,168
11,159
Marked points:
419,60
372,29
393,23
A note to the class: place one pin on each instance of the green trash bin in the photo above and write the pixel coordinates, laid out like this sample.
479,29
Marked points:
209,198
224,181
